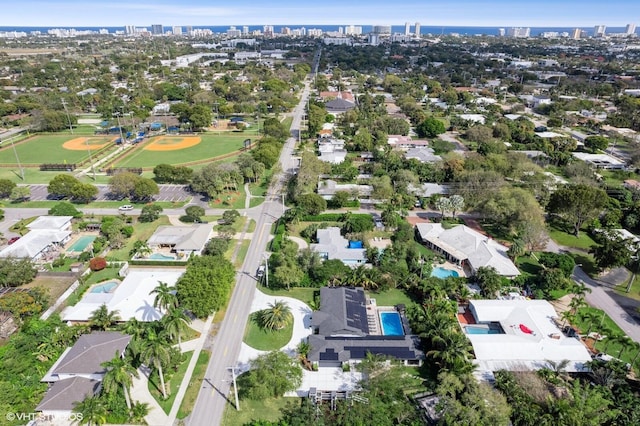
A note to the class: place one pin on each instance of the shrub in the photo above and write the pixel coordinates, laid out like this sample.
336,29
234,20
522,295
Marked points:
97,264
58,262
84,256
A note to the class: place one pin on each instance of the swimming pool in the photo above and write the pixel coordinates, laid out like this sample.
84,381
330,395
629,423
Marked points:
482,330
105,287
440,272
356,244
391,324
160,256
82,243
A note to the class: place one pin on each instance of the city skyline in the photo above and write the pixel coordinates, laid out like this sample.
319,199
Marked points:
542,13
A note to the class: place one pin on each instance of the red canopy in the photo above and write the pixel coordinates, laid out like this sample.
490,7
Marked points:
525,329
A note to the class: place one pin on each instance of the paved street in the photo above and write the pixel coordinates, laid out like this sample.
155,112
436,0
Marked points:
213,397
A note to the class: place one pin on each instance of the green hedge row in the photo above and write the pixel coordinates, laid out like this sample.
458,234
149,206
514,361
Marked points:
158,262
330,217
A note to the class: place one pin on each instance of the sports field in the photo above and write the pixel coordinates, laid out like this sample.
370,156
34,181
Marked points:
52,149
181,149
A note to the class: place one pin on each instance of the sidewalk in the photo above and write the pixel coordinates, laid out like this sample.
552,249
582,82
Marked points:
140,393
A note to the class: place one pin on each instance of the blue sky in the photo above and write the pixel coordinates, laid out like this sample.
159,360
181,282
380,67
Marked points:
568,13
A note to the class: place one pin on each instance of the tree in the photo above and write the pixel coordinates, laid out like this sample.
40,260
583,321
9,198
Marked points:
205,285
62,186
277,316
92,409
596,143
488,280
83,192
102,318
216,247
195,212
20,193
271,375
140,248
456,204
577,204
123,184
119,373
6,186
443,205
479,133
144,189
97,264
155,353
431,127
312,203
16,272
517,249
64,208
230,216
176,323
612,251
165,297
150,213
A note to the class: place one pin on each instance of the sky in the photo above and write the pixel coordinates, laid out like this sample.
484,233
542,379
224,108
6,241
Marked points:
480,13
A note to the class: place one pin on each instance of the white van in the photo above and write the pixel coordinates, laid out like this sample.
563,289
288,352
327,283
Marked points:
260,272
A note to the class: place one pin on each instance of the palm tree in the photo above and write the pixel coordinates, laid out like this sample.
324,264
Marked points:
577,303
175,323
139,411
92,409
102,318
614,339
517,249
567,316
119,373
165,297
155,353
590,318
277,316
624,345
558,369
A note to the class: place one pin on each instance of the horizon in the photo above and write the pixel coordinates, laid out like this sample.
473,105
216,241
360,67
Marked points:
491,13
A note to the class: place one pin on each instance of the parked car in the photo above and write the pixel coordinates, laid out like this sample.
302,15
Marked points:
13,240
260,272
606,358
125,208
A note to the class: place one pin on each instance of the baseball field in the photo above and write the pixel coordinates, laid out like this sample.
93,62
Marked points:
52,149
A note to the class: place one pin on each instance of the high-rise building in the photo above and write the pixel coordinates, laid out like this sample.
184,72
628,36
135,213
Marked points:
417,29
576,33
501,32
130,29
631,29
599,30
176,30
245,30
519,32
381,29
233,32
407,28
353,30
268,30
157,29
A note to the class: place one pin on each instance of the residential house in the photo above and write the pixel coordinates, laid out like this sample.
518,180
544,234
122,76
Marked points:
47,234
519,335
332,245
339,105
328,188
78,372
601,161
474,118
342,331
467,248
185,241
404,143
422,154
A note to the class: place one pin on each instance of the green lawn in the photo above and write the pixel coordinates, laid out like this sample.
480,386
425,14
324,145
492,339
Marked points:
211,146
104,275
611,327
634,291
266,340
195,384
142,232
267,409
229,200
390,297
48,149
172,385
528,265
242,253
583,241
304,294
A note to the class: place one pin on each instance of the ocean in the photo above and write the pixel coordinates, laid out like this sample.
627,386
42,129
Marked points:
425,30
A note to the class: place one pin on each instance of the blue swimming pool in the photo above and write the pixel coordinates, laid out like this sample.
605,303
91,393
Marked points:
160,256
356,244
481,330
82,243
391,324
443,273
105,287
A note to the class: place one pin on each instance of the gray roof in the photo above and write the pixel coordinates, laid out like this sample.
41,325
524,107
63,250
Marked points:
90,351
342,312
182,237
335,246
324,348
64,394
339,105
422,154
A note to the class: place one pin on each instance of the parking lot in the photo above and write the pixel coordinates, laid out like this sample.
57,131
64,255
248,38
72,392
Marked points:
171,193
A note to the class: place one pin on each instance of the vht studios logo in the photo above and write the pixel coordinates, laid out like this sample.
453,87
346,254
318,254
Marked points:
29,417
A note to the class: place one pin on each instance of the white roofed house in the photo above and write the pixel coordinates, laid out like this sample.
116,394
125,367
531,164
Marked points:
183,240
328,188
332,245
46,235
519,335
468,248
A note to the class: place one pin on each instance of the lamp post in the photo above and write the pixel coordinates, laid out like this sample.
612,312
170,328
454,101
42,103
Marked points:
64,105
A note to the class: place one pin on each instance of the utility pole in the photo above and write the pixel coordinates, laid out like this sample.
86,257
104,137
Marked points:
283,206
215,104
64,105
235,386
266,270
17,159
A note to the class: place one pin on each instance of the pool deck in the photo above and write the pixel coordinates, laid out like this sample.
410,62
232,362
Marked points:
71,249
453,267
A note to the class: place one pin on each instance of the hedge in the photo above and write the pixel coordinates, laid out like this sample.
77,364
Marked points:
330,217
158,262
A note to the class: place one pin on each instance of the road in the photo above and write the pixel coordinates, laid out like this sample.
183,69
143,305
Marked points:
215,391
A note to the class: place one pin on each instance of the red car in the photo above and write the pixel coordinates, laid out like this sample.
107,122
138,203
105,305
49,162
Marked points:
13,240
